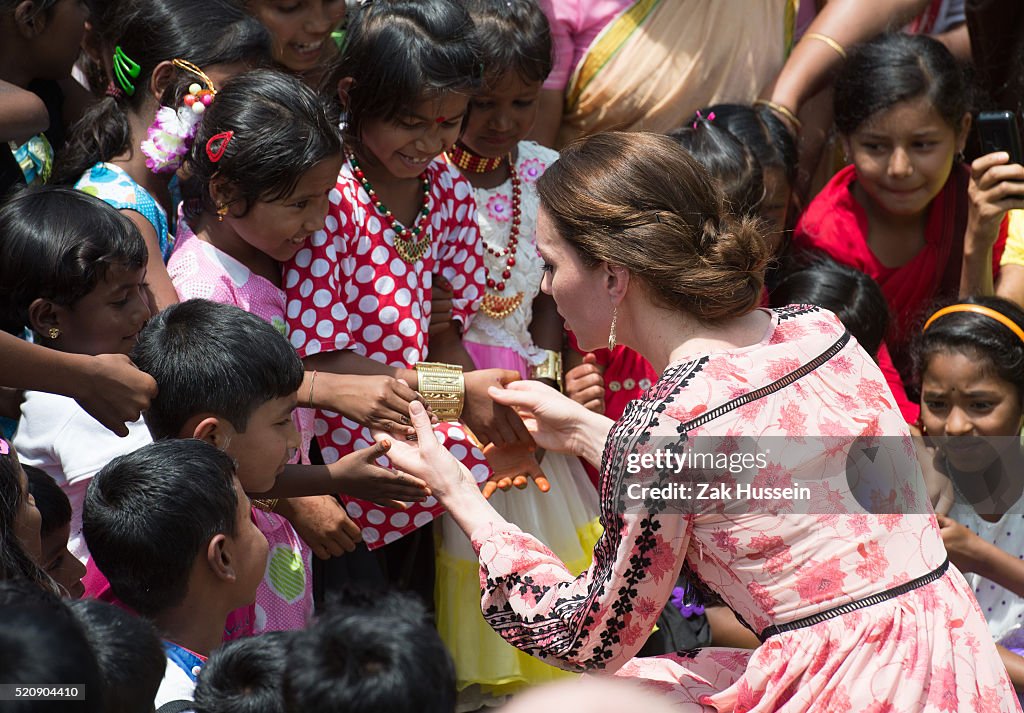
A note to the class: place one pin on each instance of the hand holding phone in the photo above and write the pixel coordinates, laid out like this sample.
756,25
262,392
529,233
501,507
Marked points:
998,131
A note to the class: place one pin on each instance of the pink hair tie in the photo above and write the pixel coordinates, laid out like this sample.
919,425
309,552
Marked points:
4,447
710,117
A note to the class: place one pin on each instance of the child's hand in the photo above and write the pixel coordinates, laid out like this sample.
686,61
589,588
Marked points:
996,187
359,476
584,384
113,391
492,422
513,465
322,523
961,544
441,294
380,403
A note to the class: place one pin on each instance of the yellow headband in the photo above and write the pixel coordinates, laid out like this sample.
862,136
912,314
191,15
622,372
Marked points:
977,309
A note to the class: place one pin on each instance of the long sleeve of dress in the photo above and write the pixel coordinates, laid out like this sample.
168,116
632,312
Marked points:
601,618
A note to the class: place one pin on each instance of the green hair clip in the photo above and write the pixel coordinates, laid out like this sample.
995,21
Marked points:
125,70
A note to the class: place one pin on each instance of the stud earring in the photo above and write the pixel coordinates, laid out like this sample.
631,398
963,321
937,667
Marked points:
53,333
221,212
611,334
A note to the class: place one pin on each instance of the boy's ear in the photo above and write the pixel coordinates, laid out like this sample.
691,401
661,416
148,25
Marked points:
28,20
211,429
44,315
219,558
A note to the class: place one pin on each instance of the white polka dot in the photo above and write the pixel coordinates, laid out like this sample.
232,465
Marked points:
376,517
373,225
313,346
291,279
459,451
330,223
480,472
411,355
354,509
413,279
320,267
330,454
364,274
390,536
389,315
368,305
392,343
370,535
325,329
294,307
461,189
322,298
379,256
384,285
298,338
429,502
407,327
303,257
306,288
372,333
338,311
399,519
355,321
421,519
416,309
456,434
341,340
403,297
398,267
308,318
364,245
380,356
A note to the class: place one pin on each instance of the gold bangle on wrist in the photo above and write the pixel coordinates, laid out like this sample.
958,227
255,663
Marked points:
312,380
443,388
265,504
784,111
550,368
839,49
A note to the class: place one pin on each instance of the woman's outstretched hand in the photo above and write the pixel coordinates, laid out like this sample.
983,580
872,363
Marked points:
425,457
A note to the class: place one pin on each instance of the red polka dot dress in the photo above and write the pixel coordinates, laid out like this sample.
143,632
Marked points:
350,288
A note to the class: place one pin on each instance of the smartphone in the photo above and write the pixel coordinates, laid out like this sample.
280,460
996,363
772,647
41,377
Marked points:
997,131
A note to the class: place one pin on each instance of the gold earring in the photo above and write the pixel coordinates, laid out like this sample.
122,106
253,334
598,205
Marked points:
611,334
221,212
53,333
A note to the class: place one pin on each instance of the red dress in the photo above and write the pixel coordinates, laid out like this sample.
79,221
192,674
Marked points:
350,289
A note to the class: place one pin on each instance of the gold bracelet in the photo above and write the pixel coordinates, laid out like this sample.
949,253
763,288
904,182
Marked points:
312,380
550,368
265,504
828,41
784,111
443,388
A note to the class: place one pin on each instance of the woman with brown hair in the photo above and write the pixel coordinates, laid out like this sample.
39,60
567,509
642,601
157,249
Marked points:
856,611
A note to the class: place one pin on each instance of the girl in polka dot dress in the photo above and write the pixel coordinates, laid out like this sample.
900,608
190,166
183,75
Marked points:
971,359
515,328
359,293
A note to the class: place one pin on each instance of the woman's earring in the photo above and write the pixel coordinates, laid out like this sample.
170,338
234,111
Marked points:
53,333
611,334
221,212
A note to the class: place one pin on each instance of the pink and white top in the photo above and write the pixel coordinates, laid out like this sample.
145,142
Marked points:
925,650
350,289
284,600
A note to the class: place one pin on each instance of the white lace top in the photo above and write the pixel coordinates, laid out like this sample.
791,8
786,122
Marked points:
494,212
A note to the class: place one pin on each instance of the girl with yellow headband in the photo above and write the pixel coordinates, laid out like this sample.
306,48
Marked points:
970,357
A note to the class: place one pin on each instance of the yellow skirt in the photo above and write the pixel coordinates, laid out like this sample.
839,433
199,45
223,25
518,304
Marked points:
566,520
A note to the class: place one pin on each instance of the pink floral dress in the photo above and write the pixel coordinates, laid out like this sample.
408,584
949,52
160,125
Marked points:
350,289
925,650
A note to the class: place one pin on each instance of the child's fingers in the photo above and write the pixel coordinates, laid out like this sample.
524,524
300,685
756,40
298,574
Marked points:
489,488
542,483
505,483
520,481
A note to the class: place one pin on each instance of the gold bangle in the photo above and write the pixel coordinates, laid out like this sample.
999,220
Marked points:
265,504
443,387
550,368
828,41
312,380
784,111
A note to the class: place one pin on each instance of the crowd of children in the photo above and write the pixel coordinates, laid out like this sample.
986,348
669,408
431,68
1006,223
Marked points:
239,239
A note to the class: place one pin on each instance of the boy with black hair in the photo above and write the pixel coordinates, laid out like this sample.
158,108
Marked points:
170,527
245,676
128,653
370,654
55,512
